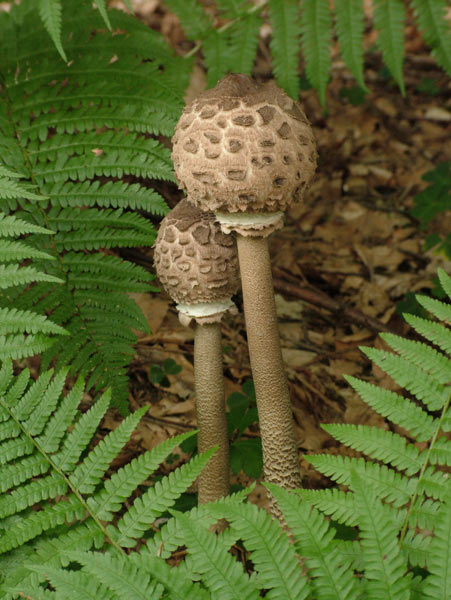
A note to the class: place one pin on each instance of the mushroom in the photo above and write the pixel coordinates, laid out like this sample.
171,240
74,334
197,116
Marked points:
197,265
246,151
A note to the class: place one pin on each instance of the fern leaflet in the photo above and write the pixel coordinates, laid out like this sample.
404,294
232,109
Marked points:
243,43
389,16
194,20
270,551
385,565
316,33
313,540
430,15
284,45
349,25
437,585
220,572
50,13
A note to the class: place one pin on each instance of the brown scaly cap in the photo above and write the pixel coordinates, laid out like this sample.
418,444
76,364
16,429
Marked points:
243,146
195,262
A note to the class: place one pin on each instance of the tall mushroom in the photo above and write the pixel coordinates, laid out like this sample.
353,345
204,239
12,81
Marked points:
246,151
197,265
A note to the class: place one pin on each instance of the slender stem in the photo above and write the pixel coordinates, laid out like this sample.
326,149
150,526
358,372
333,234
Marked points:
280,457
210,409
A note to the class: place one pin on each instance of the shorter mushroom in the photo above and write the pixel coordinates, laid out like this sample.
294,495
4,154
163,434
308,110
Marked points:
197,265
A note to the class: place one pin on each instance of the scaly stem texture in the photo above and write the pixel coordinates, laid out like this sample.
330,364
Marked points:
280,457
210,409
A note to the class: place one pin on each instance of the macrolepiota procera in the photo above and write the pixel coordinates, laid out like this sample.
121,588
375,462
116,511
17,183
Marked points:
246,151
197,265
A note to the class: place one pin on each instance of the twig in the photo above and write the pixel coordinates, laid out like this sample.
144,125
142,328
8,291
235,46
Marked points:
320,299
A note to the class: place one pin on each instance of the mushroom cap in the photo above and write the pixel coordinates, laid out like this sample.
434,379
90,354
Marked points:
195,262
243,146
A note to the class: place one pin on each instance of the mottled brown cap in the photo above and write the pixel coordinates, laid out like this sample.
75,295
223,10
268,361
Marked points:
243,146
195,262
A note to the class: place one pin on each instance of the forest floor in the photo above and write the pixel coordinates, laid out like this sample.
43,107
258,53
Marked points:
343,263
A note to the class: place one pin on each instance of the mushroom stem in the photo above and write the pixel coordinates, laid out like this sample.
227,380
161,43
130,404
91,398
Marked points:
213,482
280,457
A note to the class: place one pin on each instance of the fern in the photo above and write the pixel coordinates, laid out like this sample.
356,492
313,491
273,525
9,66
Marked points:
22,332
71,132
349,26
216,54
430,16
48,463
316,35
389,18
284,19
313,539
384,562
220,572
193,18
50,13
270,551
244,43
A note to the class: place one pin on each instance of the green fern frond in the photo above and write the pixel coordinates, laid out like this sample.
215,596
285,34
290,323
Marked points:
89,473
421,355
17,346
80,436
169,537
11,226
60,420
11,189
13,320
42,466
389,17
111,154
18,251
439,309
388,483
179,586
50,13
13,275
350,553
122,483
119,576
232,9
313,537
434,332
194,20
445,281
316,34
437,584
440,453
335,503
394,407
223,576
157,500
216,55
284,44
409,376
114,194
96,117
350,26
271,553
385,564
416,547
101,6
388,447
244,42
71,585
431,18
